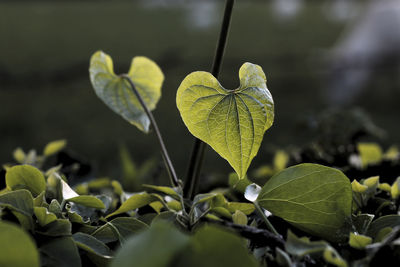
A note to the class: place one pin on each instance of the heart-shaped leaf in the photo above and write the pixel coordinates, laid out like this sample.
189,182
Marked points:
312,197
232,122
116,92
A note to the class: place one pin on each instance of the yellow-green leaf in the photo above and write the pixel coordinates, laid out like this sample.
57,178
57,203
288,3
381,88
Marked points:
19,155
372,181
385,187
54,147
370,153
357,187
134,202
395,189
18,249
26,177
359,241
232,122
43,216
239,218
116,92
88,201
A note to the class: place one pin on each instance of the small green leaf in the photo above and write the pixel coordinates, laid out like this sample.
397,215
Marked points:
19,155
382,234
302,246
59,227
281,160
156,247
372,182
370,153
383,222
26,177
88,201
18,249
395,189
357,187
239,218
332,257
134,202
54,147
116,92
40,200
361,222
126,227
359,241
163,189
246,208
55,208
60,252
232,122
19,200
91,244
314,198
44,217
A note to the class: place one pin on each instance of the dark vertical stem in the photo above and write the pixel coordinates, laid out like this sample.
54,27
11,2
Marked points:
197,156
167,160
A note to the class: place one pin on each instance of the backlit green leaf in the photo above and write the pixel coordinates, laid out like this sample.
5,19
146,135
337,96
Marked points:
232,122
134,202
18,248
239,217
88,201
116,92
26,177
370,153
359,241
314,198
54,147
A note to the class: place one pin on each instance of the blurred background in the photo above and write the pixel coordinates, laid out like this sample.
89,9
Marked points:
317,55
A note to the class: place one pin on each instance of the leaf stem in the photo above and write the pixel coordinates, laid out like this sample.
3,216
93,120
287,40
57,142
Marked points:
197,156
265,218
167,160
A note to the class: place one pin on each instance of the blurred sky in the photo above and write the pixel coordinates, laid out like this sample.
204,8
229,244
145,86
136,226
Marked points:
316,54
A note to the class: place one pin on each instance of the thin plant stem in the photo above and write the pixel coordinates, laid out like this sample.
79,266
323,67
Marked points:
265,218
197,156
167,160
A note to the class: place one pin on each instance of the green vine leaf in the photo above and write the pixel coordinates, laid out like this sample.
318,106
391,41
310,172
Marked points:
312,197
232,122
116,92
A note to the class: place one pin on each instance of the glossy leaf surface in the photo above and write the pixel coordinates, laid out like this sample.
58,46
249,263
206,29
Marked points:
232,122
314,198
116,92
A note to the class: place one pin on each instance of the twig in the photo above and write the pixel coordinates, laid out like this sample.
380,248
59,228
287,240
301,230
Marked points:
167,160
197,156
